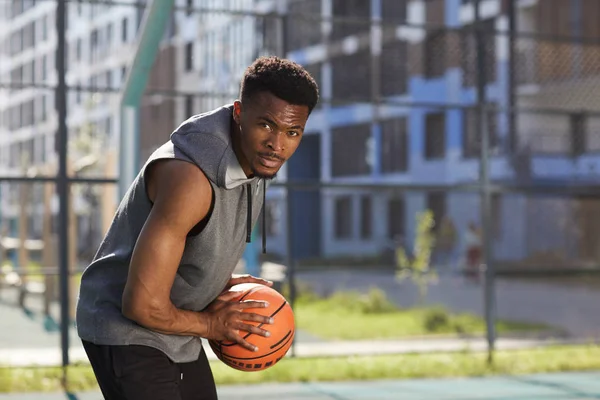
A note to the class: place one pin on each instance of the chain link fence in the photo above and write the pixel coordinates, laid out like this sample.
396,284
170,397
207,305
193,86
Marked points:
446,183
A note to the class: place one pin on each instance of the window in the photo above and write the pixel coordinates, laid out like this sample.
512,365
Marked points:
94,45
366,220
16,75
436,203
28,35
352,83
44,67
302,32
435,54
350,8
496,211
27,73
45,28
13,156
471,135
469,59
124,30
189,106
393,11
44,108
189,56
435,135
27,113
267,34
29,150
43,146
343,217
139,15
394,145
15,43
108,126
78,95
396,218
39,149
272,217
109,34
577,124
17,8
394,68
349,154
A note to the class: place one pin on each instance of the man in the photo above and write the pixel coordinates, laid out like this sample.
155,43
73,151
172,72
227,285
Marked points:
160,279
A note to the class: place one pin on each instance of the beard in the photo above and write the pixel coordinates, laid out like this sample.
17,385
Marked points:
261,175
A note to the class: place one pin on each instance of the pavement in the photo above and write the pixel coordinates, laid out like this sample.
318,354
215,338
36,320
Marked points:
571,386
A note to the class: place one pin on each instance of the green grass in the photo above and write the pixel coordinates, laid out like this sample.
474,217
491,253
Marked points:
351,316
550,359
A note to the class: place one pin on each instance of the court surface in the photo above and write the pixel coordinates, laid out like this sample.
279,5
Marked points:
567,386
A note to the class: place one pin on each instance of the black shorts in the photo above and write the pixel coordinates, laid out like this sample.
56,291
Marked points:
142,372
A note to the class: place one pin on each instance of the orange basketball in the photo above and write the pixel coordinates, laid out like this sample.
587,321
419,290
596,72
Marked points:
270,349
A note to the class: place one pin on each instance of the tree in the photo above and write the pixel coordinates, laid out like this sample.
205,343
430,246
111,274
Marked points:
417,267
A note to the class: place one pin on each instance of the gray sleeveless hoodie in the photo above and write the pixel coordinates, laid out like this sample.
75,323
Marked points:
209,258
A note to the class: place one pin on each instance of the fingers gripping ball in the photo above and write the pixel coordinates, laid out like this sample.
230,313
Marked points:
270,349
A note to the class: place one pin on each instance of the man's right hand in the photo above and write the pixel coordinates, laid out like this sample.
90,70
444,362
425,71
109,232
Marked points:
226,318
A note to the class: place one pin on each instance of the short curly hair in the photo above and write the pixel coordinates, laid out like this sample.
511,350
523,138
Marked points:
283,78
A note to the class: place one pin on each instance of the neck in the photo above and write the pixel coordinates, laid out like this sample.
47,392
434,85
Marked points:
237,149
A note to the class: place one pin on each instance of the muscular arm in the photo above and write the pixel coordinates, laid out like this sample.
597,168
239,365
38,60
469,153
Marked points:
181,195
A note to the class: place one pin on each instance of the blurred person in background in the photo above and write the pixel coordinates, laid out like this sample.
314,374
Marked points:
473,251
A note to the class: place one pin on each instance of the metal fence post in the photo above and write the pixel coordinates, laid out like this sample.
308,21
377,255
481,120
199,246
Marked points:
62,181
482,128
290,261
282,21
512,78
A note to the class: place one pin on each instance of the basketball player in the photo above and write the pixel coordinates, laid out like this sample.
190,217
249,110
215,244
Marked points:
159,281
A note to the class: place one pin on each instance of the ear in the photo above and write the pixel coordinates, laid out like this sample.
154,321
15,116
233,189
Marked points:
237,111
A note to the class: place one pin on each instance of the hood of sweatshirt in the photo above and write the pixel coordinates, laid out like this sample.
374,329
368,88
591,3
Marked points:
206,140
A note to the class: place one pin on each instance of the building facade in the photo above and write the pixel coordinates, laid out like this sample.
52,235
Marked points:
100,41
416,59
204,51
419,58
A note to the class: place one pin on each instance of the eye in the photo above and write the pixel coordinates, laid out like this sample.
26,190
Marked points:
293,133
264,125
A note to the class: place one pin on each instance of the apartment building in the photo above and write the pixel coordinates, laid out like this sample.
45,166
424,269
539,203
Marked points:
404,141
197,68
396,55
100,41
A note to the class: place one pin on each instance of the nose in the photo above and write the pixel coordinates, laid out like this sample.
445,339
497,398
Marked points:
275,142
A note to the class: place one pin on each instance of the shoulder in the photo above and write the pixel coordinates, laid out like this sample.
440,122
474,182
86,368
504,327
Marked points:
178,183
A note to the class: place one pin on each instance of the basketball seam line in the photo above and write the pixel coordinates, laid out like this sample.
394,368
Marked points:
264,355
278,343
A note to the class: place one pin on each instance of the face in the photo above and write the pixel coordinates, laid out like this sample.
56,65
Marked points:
270,130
